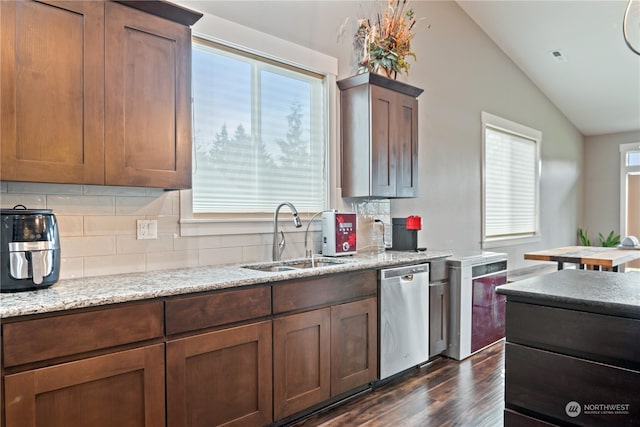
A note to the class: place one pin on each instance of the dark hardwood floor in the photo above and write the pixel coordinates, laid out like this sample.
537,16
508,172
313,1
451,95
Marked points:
445,392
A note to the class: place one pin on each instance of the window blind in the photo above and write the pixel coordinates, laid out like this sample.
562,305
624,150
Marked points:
510,184
259,134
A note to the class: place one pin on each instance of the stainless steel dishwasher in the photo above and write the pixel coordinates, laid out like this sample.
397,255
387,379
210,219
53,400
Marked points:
404,318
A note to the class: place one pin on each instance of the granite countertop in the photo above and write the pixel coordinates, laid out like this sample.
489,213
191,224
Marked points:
95,291
617,294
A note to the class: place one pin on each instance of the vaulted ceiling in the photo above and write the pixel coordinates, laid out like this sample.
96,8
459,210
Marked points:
595,80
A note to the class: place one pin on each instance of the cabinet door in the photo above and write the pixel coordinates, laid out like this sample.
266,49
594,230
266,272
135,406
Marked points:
354,345
119,389
394,144
221,377
438,317
52,88
301,352
147,106
405,139
383,134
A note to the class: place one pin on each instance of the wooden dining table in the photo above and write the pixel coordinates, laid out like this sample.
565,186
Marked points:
589,257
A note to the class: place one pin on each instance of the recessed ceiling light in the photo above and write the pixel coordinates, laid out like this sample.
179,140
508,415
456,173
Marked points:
558,55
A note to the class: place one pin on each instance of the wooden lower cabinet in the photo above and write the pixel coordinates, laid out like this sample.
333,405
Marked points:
125,388
220,358
301,352
221,378
354,345
323,353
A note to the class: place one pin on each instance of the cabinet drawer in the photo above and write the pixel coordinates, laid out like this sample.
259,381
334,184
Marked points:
544,383
301,294
516,419
598,337
46,338
204,311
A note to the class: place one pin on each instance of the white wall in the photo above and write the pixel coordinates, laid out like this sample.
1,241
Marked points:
462,73
602,182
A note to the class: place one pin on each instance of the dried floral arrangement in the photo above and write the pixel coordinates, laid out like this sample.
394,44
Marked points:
384,43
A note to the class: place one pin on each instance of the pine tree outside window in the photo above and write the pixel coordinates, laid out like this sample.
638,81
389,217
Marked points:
259,133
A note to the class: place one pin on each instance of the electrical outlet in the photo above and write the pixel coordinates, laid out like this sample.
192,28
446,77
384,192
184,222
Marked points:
147,229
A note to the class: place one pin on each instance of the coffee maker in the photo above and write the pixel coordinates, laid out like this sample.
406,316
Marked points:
405,233
30,249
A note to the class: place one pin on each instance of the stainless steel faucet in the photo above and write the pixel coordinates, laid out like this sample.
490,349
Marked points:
278,247
308,253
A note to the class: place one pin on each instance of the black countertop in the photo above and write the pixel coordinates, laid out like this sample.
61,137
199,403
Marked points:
616,294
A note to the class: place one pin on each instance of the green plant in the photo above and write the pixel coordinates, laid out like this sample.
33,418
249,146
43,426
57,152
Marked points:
582,235
611,240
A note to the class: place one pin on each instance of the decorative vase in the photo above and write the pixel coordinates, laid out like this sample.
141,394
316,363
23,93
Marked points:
385,72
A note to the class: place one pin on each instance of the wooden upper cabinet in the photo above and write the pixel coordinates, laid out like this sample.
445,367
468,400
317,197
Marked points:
96,93
406,133
379,124
51,113
147,102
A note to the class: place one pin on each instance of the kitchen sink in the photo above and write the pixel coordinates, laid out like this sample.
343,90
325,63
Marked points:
296,264
274,268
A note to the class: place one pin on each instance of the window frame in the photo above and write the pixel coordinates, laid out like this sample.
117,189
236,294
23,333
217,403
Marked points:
227,33
626,170
501,124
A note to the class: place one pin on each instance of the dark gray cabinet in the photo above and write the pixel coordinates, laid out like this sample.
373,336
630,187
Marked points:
564,366
379,126
438,306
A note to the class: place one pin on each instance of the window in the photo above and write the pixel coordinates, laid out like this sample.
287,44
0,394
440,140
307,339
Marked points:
237,195
630,192
633,158
511,155
259,133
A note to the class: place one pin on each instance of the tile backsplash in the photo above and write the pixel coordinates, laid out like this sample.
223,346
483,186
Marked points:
97,227
373,236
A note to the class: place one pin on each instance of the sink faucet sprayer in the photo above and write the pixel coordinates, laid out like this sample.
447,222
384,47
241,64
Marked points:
309,252
278,247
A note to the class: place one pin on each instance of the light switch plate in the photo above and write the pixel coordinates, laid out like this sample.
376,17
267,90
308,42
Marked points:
147,229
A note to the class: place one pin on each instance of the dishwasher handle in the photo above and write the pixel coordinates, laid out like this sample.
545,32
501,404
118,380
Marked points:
407,270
